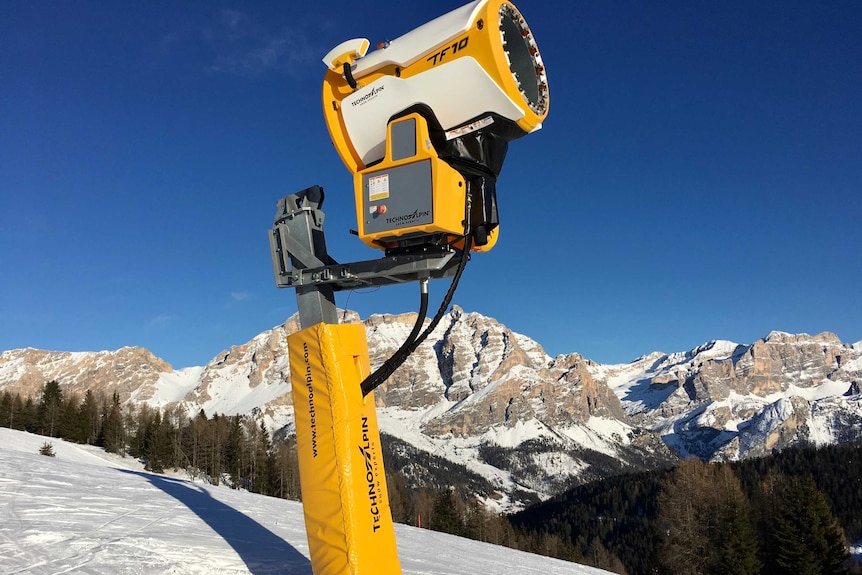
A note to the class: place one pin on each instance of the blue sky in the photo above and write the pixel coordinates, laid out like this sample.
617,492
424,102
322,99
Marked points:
699,175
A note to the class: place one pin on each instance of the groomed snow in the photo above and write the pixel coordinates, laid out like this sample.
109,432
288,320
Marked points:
85,512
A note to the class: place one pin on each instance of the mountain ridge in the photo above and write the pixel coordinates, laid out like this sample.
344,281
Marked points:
476,388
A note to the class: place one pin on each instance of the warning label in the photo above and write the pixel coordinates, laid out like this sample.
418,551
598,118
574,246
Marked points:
378,187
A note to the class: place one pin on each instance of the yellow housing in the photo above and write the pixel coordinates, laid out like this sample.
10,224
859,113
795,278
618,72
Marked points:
412,193
506,75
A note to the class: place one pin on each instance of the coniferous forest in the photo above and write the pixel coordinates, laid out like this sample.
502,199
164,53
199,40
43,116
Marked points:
233,449
790,513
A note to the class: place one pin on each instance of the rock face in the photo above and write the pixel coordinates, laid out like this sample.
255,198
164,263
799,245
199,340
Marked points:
725,401
490,376
480,386
771,365
130,371
493,400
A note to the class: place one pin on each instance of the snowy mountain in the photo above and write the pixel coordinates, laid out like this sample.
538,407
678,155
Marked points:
85,511
483,396
724,401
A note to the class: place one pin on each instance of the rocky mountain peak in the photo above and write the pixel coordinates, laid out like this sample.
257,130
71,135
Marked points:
714,401
781,337
127,370
475,387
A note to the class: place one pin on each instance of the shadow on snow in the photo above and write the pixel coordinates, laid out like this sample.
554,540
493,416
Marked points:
264,552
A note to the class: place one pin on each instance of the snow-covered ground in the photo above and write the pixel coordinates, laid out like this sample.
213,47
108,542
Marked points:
85,511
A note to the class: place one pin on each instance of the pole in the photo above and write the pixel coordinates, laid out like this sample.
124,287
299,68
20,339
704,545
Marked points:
345,500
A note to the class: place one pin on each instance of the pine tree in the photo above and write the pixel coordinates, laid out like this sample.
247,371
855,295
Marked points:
194,439
682,514
129,414
400,503
153,448
178,419
446,515
287,471
7,412
112,435
89,418
217,433
234,451
139,422
157,443
22,413
264,476
29,418
736,542
804,536
706,517
47,449
70,426
49,408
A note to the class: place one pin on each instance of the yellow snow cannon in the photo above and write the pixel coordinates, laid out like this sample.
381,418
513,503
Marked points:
424,123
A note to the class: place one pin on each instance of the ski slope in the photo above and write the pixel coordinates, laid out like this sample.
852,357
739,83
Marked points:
85,511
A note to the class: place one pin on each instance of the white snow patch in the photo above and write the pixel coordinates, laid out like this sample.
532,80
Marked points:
62,515
517,434
21,442
611,428
229,397
602,435
175,385
854,364
827,388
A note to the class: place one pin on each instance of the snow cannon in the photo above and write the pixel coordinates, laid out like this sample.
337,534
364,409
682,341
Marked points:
423,122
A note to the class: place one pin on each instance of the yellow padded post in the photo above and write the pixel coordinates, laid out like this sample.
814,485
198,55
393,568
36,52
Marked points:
345,501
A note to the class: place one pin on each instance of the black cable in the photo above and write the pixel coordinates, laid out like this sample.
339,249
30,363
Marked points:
412,342
423,311
444,305
389,366
399,357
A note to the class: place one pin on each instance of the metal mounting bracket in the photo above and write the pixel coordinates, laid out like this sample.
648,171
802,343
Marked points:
300,260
